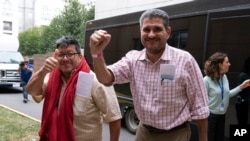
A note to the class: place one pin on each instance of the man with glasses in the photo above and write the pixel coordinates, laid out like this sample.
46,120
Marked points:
75,103
25,69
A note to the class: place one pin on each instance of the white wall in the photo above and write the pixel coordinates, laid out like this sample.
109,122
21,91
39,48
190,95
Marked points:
46,10
25,14
9,13
109,8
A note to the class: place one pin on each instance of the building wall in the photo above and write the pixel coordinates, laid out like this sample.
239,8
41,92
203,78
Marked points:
25,14
109,8
9,17
46,10
38,12
19,15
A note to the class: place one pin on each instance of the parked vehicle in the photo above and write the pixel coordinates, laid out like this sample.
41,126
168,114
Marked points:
200,27
10,59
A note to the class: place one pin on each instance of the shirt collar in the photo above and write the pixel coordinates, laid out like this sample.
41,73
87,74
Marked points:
166,56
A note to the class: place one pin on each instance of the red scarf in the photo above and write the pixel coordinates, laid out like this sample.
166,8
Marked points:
58,125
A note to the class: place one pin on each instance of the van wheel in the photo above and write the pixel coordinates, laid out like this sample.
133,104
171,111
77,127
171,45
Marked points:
131,120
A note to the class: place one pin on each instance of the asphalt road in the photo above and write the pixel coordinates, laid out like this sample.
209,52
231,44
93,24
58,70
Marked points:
12,98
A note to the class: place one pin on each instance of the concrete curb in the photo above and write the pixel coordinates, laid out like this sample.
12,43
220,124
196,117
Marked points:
22,114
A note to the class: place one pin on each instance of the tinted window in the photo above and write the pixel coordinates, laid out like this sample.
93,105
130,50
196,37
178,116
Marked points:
137,44
178,39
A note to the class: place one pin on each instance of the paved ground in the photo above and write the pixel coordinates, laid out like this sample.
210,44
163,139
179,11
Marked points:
12,99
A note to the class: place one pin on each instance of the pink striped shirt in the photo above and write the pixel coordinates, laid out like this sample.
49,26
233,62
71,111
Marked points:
168,103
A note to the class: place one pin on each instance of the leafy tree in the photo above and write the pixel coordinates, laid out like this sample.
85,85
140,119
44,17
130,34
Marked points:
50,34
30,40
71,22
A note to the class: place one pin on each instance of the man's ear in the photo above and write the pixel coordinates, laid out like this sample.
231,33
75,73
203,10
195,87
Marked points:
56,53
168,31
81,55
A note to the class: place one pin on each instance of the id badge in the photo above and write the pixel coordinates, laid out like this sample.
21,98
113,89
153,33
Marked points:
222,107
167,71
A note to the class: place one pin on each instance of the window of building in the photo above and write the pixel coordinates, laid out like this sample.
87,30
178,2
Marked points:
7,25
7,8
45,13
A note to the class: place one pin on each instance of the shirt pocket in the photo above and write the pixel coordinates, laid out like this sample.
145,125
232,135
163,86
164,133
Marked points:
81,105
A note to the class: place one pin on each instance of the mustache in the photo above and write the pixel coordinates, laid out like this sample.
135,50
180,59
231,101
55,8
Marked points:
152,39
63,62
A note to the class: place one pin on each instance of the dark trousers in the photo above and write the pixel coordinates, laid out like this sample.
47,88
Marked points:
242,112
216,127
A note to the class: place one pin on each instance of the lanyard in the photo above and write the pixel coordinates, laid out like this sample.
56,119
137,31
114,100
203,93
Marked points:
221,87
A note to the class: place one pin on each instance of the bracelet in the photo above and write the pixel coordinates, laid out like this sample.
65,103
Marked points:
98,55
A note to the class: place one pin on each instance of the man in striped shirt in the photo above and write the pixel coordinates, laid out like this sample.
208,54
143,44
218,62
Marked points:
166,83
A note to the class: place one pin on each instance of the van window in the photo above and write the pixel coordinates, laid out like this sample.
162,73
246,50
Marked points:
10,57
137,44
178,39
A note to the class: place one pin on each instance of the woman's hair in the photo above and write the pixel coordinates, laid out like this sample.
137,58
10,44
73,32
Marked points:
211,67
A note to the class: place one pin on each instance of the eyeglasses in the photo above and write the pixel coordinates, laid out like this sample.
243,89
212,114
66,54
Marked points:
68,55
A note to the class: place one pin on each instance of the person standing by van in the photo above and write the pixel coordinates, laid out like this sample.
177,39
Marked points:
219,93
26,70
242,103
166,83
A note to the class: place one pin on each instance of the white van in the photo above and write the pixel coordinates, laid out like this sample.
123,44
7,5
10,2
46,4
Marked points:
10,59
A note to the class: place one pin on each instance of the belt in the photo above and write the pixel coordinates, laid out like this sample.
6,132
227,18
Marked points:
156,130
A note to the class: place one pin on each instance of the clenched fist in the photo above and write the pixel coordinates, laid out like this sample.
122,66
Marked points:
98,41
